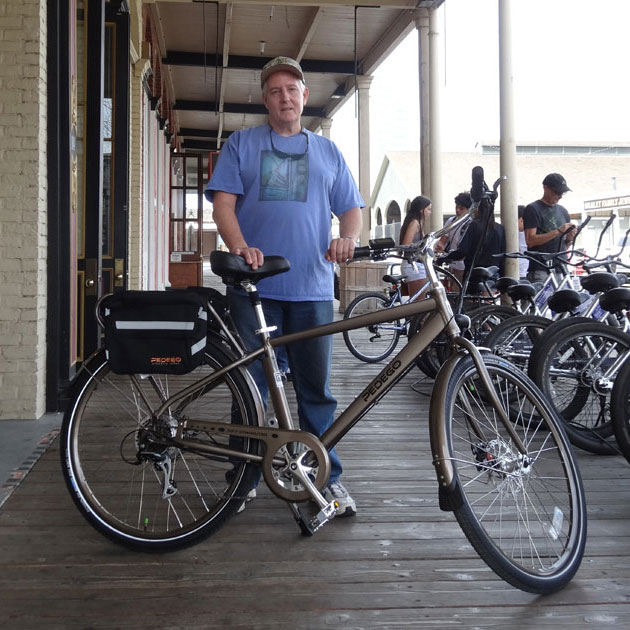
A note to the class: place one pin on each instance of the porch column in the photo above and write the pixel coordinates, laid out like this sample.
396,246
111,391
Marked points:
326,124
435,140
509,195
422,26
363,88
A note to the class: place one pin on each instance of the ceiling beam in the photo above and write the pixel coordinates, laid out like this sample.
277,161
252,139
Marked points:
245,62
202,133
238,108
309,32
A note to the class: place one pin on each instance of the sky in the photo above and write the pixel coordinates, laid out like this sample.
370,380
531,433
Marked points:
570,69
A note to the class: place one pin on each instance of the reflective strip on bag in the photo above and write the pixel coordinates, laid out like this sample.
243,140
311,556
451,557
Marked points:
197,347
131,325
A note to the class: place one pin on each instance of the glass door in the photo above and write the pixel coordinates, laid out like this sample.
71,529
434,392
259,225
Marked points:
186,215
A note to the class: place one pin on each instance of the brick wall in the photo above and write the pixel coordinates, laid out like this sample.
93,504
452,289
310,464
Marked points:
23,195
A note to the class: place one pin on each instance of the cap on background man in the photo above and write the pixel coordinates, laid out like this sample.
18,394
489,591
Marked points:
557,183
285,64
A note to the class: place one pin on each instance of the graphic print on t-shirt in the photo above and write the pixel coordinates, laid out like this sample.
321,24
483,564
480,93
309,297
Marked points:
283,178
550,222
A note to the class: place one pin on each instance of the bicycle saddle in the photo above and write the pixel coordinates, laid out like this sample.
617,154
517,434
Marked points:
233,269
615,300
600,281
483,274
521,291
565,300
392,279
504,283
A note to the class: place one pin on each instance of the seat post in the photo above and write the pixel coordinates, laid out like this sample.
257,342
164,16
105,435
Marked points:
273,376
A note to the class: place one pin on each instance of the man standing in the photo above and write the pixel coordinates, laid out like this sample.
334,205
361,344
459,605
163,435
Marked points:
547,224
273,191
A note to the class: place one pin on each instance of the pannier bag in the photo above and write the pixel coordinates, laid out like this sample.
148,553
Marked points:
155,332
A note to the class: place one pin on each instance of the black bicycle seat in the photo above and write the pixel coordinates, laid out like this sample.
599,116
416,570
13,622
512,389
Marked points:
600,281
521,291
392,279
504,283
483,274
566,300
233,269
615,300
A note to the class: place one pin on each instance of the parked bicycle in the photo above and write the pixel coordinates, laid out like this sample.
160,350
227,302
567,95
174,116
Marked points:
157,461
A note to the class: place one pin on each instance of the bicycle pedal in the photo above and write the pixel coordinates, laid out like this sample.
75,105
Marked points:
310,525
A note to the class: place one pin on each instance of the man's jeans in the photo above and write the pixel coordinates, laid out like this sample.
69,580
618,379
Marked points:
309,361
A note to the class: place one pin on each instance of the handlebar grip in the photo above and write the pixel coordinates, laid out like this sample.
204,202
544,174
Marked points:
361,252
477,188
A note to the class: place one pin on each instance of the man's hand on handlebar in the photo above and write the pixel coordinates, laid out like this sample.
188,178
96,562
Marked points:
340,250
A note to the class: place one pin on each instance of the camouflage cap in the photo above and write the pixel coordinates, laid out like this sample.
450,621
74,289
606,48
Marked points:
277,64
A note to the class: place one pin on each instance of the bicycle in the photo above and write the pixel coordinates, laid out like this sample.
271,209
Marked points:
158,462
376,342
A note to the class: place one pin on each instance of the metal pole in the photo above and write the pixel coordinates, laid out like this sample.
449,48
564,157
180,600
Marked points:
509,196
435,78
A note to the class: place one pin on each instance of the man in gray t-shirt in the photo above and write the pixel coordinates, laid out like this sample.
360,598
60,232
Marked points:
547,223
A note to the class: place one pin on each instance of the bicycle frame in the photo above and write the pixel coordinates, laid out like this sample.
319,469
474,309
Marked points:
441,319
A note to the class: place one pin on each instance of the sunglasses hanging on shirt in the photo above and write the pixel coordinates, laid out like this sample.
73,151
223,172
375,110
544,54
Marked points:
290,156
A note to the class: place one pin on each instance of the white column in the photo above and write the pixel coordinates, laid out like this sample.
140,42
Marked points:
435,91
509,196
422,26
363,87
326,124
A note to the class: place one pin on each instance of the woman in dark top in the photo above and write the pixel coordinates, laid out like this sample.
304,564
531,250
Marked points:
493,243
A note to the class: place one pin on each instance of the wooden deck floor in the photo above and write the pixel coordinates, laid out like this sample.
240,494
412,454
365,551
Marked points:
400,563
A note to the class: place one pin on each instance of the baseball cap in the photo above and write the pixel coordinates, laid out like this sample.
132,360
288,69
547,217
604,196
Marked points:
277,64
557,183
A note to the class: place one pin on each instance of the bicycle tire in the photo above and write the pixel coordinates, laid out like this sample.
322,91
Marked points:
484,319
514,338
371,343
524,515
620,409
570,368
115,457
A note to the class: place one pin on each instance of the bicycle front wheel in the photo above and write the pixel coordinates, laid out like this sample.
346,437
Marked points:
524,513
620,409
123,471
375,342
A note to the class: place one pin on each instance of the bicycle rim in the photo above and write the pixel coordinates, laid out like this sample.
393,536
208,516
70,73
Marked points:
575,375
524,515
620,409
514,338
376,342
129,482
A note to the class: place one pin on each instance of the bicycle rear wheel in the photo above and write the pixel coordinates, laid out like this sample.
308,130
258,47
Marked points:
573,366
525,513
123,471
375,342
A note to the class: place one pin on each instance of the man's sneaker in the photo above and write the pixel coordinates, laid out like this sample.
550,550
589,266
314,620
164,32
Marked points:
336,492
251,495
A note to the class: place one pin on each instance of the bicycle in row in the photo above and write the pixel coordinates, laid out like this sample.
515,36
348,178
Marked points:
158,461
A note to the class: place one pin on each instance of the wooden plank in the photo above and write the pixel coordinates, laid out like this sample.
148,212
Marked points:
400,563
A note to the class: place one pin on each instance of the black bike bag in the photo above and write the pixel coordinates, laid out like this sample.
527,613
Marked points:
155,332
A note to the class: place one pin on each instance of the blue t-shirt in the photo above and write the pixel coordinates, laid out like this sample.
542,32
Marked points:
286,190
